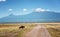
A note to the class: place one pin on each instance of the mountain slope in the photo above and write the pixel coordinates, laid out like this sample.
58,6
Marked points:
33,17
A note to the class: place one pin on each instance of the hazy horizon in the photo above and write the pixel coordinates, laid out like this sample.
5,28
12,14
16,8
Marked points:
29,10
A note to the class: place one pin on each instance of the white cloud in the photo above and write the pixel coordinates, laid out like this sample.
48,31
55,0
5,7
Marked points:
25,10
10,10
2,0
40,10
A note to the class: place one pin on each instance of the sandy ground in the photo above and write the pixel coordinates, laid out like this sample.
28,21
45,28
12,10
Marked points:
38,31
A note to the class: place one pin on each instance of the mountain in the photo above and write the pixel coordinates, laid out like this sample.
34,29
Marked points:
33,17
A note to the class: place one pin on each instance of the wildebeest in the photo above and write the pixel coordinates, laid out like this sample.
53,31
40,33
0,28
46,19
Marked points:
21,27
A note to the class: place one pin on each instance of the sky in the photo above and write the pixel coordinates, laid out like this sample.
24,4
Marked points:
24,7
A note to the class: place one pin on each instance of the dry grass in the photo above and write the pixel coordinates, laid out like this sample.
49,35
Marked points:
12,30
54,29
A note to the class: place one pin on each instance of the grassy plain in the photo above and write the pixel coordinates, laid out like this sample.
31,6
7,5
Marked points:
12,30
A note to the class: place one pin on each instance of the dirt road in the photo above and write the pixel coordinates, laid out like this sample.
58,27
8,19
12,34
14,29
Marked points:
38,31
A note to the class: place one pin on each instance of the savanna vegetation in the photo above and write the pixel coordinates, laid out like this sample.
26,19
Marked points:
13,30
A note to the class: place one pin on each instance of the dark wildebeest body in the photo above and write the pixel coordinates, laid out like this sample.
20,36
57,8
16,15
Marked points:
21,27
